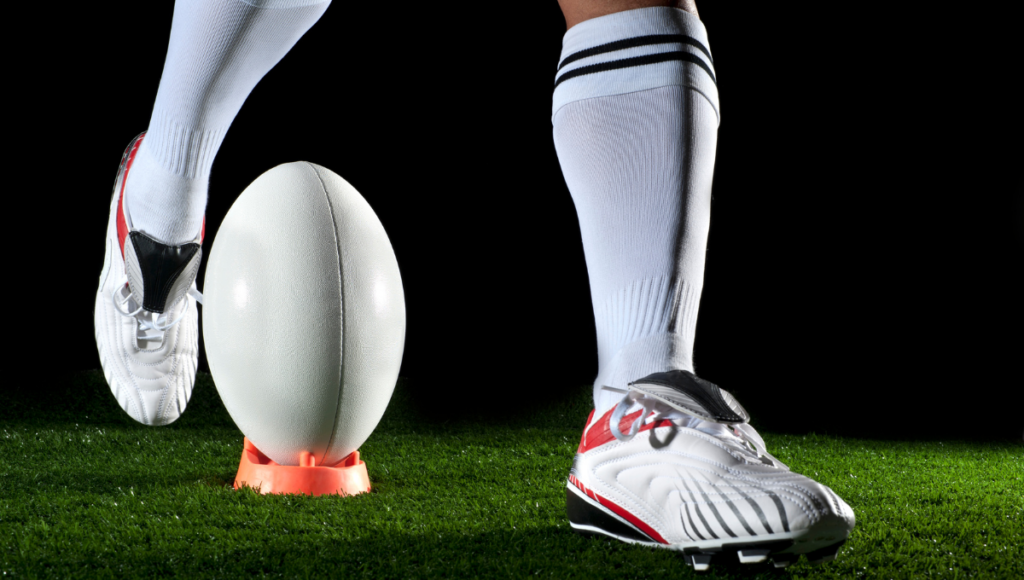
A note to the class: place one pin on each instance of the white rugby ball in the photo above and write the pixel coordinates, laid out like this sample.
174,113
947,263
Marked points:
304,315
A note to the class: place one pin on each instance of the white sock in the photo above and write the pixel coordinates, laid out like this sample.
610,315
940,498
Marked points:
635,118
219,50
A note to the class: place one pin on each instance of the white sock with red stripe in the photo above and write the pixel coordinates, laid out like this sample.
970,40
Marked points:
219,50
635,115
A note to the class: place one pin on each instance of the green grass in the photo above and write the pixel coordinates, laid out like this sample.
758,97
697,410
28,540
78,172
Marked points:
86,493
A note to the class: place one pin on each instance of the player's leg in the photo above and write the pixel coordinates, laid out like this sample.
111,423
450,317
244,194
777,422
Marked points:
145,314
635,118
576,11
666,458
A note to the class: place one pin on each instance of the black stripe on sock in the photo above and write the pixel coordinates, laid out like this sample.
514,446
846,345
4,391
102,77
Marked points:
634,42
637,61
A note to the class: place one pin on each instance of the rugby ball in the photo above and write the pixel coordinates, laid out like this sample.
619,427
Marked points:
303,315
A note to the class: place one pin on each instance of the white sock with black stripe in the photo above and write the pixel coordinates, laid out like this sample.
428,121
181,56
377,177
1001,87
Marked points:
635,115
218,51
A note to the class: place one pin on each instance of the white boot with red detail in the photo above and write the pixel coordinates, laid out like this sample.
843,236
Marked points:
684,470
146,314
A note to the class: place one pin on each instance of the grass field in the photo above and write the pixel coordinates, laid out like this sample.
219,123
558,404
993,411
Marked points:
87,493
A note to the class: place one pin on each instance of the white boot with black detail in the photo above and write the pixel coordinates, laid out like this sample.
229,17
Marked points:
146,315
676,465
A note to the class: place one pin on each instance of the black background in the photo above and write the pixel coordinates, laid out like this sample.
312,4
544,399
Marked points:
867,240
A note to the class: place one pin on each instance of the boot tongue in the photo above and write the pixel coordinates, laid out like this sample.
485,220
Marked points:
690,394
159,275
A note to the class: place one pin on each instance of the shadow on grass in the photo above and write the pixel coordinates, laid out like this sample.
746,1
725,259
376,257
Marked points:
552,552
84,398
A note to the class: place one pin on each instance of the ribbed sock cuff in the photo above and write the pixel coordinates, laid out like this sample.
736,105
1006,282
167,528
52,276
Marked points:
634,51
283,4
646,327
180,149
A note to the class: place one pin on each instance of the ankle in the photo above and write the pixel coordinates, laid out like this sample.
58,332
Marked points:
165,205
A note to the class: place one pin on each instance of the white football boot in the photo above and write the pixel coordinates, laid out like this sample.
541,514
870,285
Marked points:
685,471
146,318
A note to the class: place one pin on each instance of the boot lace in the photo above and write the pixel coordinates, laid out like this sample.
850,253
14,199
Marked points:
741,440
152,325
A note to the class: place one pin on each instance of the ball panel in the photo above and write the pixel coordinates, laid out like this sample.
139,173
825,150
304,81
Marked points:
272,315
374,316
